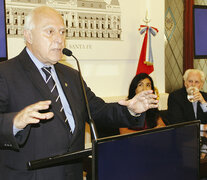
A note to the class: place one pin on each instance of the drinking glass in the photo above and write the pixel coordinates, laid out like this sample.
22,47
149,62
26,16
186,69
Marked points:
190,92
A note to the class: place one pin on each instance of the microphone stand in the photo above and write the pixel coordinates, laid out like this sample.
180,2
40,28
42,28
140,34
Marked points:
91,121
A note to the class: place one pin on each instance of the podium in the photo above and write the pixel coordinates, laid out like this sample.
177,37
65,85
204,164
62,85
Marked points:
169,153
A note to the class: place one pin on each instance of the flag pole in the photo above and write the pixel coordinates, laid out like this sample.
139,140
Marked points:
146,19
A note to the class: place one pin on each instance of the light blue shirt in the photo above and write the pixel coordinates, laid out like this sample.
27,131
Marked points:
203,107
63,99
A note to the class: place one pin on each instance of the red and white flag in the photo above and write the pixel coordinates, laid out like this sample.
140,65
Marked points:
146,61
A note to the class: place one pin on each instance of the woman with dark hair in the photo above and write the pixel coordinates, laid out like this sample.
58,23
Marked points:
140,83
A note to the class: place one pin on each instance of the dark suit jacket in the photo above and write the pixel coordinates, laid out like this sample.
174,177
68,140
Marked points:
180,109
21,85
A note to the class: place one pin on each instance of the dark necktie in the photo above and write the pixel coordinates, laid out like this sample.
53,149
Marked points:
200,114
53,89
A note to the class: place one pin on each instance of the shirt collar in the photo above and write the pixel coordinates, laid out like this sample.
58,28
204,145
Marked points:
37,63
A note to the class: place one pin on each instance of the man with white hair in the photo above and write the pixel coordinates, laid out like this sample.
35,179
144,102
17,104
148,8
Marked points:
188,103
42,109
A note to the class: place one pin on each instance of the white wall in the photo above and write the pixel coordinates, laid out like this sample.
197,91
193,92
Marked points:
108,67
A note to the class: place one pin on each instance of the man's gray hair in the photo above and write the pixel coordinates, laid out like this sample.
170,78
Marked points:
185,76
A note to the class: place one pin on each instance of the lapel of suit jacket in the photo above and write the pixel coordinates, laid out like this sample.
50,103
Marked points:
66,86
34,74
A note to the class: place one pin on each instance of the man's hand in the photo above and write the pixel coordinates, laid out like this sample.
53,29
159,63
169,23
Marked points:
31,114
141,102
198,97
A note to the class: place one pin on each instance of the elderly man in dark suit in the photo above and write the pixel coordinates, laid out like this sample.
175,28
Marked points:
42,110
188,103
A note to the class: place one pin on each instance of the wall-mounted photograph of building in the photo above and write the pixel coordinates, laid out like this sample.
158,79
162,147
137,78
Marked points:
95,29
84,19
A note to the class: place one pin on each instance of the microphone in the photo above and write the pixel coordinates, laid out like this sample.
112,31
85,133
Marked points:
69,53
